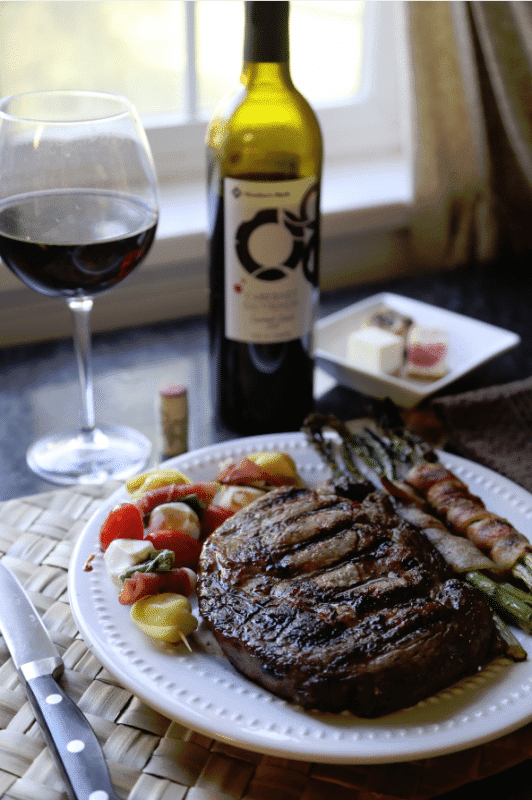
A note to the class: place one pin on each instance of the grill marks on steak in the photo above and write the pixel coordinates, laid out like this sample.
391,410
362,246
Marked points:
339,605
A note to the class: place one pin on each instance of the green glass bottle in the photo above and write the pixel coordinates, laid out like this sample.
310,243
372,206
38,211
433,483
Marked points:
264,152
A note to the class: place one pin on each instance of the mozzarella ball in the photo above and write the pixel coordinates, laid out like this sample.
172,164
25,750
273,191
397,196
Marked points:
236,497
174,517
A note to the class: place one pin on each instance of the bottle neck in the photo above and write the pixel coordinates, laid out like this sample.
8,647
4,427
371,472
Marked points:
266,33
269,75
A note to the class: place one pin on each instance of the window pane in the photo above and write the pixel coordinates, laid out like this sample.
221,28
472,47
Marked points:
219,42
131,48
138,49
325,48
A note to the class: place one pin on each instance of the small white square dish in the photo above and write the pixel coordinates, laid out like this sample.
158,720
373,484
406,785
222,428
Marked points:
470,344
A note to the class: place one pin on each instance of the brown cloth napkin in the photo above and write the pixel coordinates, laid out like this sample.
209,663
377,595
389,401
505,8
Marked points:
492,426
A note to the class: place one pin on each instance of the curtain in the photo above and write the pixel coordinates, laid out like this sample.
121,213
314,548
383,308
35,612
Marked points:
503,44
471,67
452,222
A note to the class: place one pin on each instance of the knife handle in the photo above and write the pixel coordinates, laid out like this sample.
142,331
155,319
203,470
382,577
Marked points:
72,741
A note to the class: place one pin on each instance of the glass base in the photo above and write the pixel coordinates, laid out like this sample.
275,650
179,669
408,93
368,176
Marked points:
72,457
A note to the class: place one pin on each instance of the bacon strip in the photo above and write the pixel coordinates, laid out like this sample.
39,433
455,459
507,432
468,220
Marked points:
460,553
466,514
203,491
425,475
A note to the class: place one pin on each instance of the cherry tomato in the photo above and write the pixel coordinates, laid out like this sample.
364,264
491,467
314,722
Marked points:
123,522
213,517
142,584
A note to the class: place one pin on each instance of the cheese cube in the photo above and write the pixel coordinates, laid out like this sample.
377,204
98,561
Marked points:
426,352
375,349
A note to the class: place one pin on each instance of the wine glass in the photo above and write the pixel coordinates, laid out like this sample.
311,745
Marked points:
78,212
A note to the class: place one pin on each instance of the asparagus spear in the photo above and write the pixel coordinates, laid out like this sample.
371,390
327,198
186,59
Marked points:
503,601
514,648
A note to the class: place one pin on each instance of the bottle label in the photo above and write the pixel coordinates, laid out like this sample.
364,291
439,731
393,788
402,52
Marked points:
271,259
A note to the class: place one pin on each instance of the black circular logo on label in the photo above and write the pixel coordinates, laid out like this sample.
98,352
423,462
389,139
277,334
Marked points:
293,235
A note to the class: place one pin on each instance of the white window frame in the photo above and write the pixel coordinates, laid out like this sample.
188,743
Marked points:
367,186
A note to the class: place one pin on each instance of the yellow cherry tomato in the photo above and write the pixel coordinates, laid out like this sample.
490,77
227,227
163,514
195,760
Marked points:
165,616
139,484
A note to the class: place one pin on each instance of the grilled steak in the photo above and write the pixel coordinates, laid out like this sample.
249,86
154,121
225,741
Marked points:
338,605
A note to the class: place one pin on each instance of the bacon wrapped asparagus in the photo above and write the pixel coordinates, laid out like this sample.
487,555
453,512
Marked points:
408,468
459,552
411,501
466,514
409,464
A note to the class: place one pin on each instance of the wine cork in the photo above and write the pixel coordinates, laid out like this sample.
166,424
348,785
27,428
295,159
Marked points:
173,408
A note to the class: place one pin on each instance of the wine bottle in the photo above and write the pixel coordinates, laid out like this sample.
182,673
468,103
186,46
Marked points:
264,153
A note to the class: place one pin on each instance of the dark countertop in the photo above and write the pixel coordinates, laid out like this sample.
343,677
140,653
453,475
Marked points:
39,387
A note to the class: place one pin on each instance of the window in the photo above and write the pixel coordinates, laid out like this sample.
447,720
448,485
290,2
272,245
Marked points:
146,49
175,59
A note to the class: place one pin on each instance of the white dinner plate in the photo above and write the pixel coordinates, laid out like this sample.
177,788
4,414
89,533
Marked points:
201,689
470,344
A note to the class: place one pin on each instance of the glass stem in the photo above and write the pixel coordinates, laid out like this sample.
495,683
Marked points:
80,311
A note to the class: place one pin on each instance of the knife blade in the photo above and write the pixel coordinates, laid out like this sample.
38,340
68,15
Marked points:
69,736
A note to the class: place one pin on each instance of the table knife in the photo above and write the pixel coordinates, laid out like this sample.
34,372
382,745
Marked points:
69,736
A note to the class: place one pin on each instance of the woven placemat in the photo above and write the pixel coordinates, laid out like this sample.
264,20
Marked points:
492,426
151,757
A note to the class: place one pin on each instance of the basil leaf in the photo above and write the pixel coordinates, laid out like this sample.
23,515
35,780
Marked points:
195,503
160,561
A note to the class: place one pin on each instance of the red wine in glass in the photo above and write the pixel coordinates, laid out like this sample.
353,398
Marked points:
78,256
